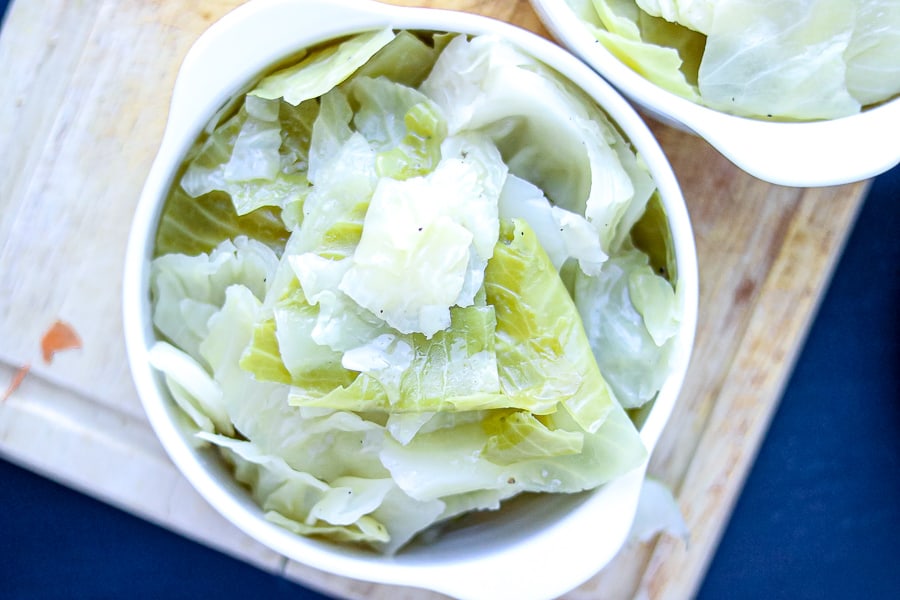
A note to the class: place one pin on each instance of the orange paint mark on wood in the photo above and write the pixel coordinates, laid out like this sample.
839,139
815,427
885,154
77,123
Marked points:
59,337
16,381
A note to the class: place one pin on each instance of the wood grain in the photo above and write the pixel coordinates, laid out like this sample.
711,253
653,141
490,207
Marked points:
88,86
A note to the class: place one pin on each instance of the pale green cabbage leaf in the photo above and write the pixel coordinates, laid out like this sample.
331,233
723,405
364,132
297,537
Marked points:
693,14
322,70
417,259
630,315
873,69
254,158
623,29
782,58
543,355
544,132
188,290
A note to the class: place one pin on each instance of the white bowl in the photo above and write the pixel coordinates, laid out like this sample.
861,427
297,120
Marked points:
534,548
807,154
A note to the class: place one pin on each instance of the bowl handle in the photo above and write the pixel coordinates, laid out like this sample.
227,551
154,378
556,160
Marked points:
807,154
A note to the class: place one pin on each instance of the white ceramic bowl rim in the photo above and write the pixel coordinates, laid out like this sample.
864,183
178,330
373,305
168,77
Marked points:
539,557
802,154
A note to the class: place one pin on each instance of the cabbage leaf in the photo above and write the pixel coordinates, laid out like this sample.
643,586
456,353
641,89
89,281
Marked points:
543,130
323,69
782,58
873,70
420,239
630,315
543,354
188,290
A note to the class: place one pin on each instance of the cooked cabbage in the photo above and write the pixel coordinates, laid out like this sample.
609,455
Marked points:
430,333
785,59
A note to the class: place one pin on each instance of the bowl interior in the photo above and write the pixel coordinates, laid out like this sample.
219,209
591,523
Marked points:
533,528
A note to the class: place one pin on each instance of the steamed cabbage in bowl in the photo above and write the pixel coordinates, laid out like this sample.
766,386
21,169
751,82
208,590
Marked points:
409,276
796,60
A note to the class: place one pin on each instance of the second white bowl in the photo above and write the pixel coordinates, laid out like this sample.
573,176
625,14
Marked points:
803,154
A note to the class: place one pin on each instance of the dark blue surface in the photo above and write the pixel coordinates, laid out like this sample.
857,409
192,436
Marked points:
57,543
820,514
818,518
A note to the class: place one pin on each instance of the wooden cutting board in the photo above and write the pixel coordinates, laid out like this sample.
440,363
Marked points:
82,110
